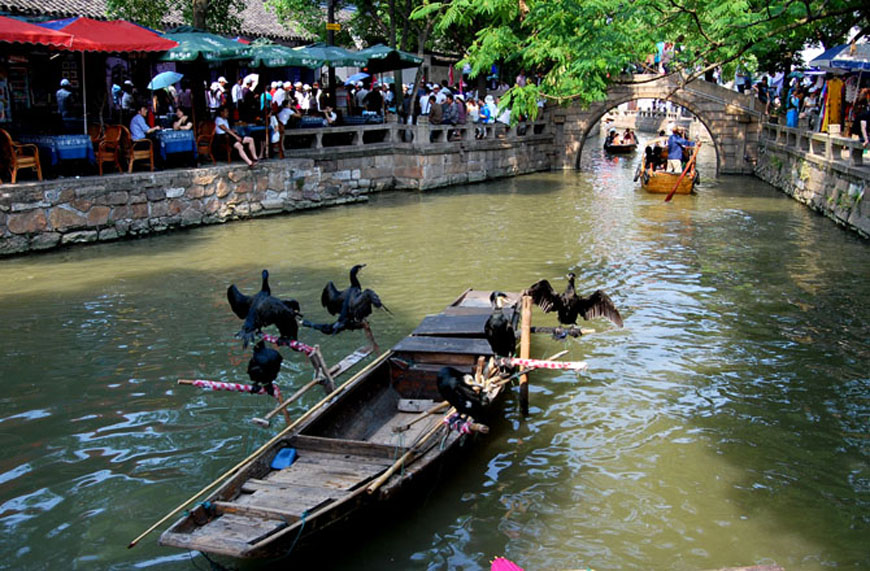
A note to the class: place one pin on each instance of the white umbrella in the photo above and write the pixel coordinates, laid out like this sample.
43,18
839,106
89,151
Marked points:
254,77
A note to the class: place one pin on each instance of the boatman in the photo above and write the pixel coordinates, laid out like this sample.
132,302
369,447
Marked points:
676,144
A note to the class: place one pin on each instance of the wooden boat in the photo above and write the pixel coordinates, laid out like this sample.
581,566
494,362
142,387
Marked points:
620,149
347,447
660,181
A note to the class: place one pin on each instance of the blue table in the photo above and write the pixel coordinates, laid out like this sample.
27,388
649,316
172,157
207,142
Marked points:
170,141
63,147
250,130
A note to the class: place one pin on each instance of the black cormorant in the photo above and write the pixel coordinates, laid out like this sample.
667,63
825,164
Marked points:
352,305
261,310
569,305
498,329
263,368
454,389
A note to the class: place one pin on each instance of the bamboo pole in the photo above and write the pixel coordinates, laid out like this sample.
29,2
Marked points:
265,421
406,456
326,400
525,348
438,407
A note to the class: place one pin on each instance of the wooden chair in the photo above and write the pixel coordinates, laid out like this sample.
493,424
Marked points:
137,150
109,147
205,139
19,156
95,132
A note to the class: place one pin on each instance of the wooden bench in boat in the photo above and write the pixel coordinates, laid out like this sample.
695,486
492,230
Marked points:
326,470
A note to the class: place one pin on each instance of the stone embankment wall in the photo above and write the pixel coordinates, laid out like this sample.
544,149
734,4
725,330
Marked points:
825,173
40,216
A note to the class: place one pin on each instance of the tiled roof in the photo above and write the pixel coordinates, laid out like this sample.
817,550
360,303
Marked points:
258,20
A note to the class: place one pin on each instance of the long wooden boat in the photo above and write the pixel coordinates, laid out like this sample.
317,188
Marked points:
660,181
341,451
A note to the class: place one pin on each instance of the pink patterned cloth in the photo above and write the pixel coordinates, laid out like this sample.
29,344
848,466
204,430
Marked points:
295,345
233,387
541,364
502,564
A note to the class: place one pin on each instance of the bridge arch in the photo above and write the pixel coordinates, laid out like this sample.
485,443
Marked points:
730,118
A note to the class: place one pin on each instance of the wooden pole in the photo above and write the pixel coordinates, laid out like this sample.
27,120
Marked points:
265,421
525,347
407,455
325,401
437,408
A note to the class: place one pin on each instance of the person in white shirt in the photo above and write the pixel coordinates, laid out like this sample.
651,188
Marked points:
424,102
439,96
305,101
237,92
279,95
222,129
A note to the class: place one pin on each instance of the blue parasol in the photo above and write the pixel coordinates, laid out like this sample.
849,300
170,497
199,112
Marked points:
165,79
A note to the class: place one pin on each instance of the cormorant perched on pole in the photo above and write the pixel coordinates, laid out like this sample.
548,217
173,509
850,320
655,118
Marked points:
498,329
569,305
453,388
263,368
261,310
352,305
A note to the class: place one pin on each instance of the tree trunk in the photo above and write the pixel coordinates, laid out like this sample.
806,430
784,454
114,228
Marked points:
200,12
421,45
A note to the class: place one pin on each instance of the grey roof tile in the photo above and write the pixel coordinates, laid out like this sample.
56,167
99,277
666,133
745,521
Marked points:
258,20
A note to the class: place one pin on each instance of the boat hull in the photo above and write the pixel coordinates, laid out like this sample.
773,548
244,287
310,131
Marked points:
663,183
344,448
620,149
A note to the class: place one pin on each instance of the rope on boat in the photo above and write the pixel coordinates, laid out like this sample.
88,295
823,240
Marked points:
293,344
298,535
544,364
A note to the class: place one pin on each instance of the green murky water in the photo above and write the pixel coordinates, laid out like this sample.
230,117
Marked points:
727,424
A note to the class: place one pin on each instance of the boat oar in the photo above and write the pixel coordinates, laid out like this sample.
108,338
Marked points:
325,401
685,170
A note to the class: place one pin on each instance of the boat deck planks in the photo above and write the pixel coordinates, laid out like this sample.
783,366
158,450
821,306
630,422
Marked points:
230,533
400,440
454,345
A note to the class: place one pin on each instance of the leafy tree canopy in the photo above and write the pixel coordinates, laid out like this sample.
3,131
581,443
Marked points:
222,16
583,46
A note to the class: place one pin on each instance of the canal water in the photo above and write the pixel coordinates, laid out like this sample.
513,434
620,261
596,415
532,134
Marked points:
725,425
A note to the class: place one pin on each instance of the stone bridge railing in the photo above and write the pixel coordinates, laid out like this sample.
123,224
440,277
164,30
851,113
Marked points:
827,173
403,135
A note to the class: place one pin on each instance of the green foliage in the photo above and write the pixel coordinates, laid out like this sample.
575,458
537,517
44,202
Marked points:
583,46
222,15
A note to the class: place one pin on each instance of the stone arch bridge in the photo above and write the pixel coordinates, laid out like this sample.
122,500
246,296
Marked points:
733,119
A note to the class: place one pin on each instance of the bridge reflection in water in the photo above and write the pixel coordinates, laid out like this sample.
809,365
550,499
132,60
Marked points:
725,425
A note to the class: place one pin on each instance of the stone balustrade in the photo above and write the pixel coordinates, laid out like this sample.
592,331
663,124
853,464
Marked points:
327,166
827,173
832,148
408,136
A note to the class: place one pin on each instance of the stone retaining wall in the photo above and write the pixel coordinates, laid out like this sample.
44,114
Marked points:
39,216
825,173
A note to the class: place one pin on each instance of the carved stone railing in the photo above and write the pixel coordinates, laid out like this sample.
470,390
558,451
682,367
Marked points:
831,148
417,136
